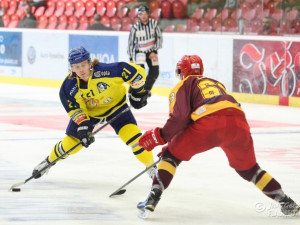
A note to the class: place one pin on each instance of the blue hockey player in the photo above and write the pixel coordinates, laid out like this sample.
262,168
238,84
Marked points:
94,91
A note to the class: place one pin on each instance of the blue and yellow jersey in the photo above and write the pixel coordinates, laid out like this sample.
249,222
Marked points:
104,93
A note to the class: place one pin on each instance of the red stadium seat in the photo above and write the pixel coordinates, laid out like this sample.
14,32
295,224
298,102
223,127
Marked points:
156,14
105,21
247,26
83,23
72,23
122,12
133,13
42,22
69,8
204,22
224,14
111,9
211,14
271,6
265,13
296,26
115,23
79,8
20,12
191,22
49,11
125,21
266,1
119,4
195,28
207,29
154,5
251,1
39,11
62,22
249,15
90,8
170,28
12,7
181,28
6,19
166,9
179,10
256,25
4,4
216,24
101,8
135,20
14,20
258,6
236,14
292,15
91,20
127,27
245,6
277,15
52,22
229,24
285,26
198,14
185,2
51,3
60,8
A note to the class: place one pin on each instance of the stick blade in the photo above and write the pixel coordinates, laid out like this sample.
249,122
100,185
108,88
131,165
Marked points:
16,185
118,192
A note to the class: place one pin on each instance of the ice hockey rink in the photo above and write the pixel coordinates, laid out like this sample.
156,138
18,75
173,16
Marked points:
76,191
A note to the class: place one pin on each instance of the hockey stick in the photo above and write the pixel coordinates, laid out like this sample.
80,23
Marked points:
121,191
70,150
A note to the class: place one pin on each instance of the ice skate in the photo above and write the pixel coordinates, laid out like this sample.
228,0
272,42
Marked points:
288,206
149,204
37,173
151,172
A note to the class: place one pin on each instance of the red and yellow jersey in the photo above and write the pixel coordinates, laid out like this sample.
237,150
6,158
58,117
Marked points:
104,93
193,98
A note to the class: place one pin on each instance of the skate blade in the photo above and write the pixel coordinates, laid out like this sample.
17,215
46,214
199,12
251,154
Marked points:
144,213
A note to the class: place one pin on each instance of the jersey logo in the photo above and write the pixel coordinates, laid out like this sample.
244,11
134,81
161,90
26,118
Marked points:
137,81
74,89
171,97
102,86
104,73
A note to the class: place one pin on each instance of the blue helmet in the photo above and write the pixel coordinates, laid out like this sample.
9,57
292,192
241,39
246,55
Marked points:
77,55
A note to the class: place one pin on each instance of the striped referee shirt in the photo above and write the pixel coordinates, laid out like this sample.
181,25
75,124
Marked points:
144,38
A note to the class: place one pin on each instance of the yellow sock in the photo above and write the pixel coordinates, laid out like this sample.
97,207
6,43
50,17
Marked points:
62,146
130,135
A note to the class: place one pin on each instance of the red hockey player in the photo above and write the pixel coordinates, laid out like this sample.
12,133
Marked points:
203,116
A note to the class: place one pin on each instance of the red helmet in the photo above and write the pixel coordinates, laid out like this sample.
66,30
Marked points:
189,65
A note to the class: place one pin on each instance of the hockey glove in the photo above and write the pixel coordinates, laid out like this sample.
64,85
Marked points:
151,139
138,100
84,132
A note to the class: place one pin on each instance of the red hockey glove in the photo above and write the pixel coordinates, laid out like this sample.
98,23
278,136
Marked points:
151,139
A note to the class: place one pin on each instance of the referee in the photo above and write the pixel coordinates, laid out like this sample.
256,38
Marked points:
145,39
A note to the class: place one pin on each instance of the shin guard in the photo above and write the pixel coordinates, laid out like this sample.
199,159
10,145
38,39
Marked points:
131,134
263,181
62,146
166,170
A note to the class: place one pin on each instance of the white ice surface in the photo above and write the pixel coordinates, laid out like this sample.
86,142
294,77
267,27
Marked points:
205,190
